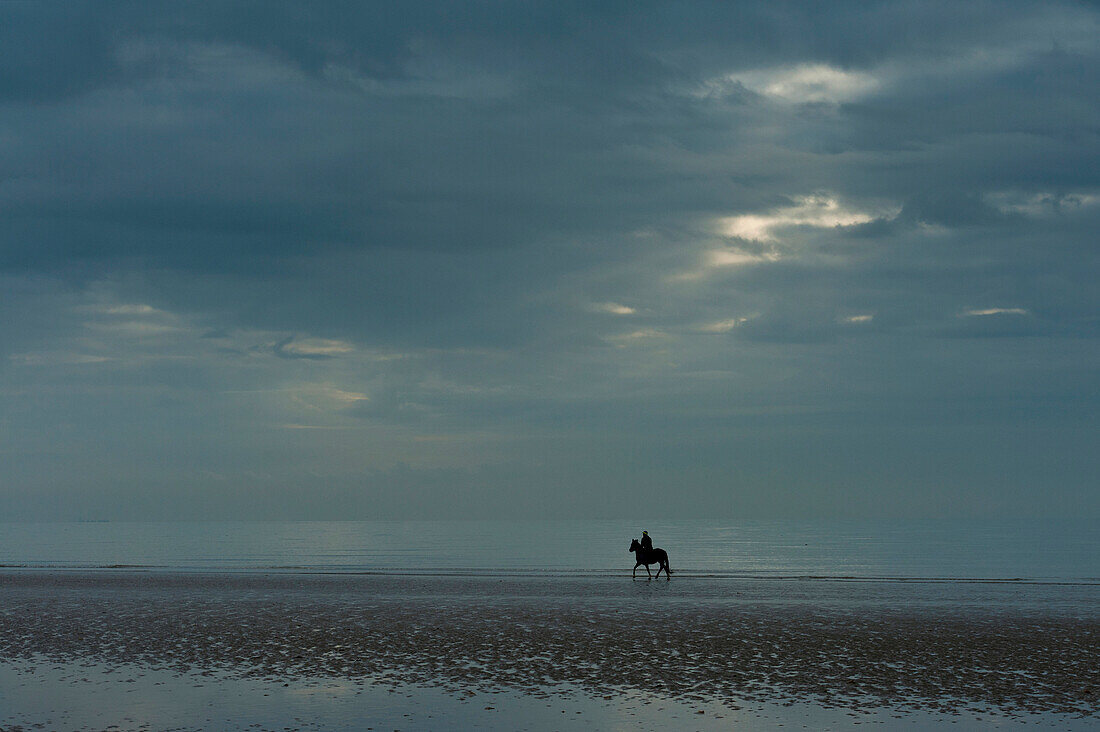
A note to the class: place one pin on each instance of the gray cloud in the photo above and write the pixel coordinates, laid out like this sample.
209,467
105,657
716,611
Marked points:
788,258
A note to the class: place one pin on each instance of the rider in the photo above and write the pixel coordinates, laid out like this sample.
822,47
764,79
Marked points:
647,543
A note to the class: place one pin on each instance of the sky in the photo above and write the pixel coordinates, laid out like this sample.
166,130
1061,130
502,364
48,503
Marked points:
549,260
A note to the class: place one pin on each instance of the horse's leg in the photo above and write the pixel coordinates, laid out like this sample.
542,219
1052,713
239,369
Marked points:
648,572
634,574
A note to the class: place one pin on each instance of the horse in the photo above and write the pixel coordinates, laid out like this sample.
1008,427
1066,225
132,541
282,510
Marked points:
654,556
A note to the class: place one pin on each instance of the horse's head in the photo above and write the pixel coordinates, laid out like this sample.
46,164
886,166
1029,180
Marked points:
634,545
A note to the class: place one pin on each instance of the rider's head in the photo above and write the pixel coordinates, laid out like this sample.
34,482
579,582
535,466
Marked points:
645,533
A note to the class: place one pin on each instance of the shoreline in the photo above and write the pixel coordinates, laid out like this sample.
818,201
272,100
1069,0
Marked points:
521,573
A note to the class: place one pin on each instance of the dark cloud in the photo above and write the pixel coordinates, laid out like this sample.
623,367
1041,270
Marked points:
547,247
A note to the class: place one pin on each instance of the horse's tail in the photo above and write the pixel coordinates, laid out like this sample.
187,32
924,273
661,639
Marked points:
668,565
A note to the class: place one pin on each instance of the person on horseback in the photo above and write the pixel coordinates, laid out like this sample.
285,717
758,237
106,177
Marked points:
644,553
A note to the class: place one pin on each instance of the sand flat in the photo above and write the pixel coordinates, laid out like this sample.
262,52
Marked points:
968,649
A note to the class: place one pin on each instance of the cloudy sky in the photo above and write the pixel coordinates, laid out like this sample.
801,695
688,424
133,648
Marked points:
528,259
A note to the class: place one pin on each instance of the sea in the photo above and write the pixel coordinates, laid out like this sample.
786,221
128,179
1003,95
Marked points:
1063,551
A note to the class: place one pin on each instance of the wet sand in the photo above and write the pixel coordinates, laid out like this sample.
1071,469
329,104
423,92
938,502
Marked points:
956,650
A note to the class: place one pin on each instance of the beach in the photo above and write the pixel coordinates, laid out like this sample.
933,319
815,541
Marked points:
718,649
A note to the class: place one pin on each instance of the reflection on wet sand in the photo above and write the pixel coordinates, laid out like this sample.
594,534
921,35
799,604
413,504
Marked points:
533,637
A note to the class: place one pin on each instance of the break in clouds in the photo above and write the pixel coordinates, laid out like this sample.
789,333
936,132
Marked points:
530,260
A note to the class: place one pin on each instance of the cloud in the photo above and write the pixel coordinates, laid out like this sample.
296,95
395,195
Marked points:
637,337
722,326
55,358
580,246
128,309
821,211
734,257
324,397
804,83
1036,204
293,347
613,308
994,311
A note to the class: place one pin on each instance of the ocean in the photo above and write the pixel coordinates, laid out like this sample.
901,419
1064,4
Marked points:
1033,551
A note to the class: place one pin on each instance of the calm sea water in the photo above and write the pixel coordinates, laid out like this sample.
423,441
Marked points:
1045,551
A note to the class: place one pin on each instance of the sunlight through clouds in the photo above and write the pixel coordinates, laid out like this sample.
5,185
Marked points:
127,309
766,234
820,210
738,257
993,311
801,84
612,308
307,347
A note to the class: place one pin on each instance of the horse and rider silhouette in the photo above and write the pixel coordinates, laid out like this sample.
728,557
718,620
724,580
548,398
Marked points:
644,553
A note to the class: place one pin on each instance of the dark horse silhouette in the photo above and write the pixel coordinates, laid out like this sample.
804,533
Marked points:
654,556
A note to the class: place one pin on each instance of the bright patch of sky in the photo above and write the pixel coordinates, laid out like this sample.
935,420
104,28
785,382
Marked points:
821,211
315,347
613,308
808,83
995,311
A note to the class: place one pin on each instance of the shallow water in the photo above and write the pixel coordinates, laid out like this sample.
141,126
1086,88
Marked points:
1045,551
39,693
